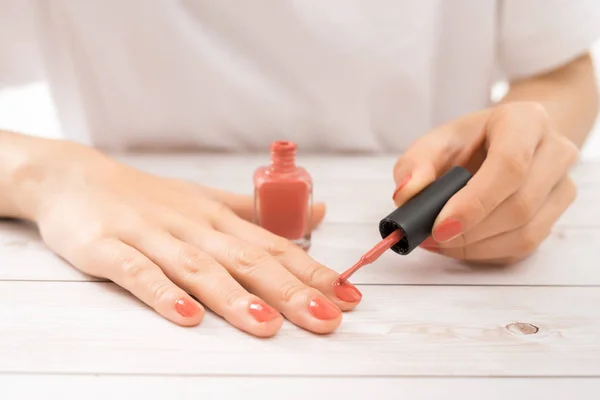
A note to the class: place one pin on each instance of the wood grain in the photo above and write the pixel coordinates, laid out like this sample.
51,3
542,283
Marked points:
102,387
396,331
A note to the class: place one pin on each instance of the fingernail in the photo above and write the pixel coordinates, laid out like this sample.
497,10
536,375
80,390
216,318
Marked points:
322,309
401,184
429,243
186,308
262,312
346,291
447,230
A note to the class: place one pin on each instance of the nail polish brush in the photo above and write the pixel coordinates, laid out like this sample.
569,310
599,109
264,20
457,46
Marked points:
405,228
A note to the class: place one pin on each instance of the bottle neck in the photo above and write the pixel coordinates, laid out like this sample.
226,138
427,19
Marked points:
283,156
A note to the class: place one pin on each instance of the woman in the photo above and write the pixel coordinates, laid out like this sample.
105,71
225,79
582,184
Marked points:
412,77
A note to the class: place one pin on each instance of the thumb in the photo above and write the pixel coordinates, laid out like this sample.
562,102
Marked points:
242,206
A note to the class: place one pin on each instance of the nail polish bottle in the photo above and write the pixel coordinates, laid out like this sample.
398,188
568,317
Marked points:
283,196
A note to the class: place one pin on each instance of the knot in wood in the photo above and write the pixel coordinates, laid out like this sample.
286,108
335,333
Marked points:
521,328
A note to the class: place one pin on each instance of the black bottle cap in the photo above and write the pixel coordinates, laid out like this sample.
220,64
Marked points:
416,217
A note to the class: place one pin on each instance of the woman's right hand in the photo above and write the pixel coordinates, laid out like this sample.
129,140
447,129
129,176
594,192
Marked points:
164,239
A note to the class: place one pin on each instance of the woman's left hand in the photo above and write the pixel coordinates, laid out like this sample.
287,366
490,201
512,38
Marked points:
519,189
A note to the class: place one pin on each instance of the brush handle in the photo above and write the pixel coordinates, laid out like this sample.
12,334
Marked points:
416,217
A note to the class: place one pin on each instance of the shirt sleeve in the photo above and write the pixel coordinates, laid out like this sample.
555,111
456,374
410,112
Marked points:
536,36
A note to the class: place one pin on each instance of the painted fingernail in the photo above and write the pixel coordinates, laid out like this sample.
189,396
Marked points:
262,312
322,309
429,243
186,308
346,291
447,230
401,185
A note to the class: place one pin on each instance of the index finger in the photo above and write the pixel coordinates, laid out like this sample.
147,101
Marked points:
513,135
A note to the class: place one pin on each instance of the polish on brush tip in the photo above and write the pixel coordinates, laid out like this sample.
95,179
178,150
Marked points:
405,228
372,255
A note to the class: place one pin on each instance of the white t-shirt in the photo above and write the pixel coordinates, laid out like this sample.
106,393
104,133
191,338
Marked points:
331,75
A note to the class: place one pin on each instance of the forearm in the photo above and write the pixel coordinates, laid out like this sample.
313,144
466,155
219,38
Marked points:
569,95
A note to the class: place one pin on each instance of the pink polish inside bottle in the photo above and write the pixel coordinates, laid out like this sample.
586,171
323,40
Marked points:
283,196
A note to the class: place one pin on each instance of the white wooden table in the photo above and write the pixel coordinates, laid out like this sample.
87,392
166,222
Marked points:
427,327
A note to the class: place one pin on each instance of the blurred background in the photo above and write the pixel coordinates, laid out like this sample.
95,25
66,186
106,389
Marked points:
28,107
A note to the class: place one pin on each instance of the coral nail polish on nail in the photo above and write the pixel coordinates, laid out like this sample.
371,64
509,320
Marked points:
447,230
262,312
401,185
186,308
429,243
346,291
322,309
283,196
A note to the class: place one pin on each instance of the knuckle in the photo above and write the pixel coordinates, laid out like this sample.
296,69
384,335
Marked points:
514,112
315,272
159,293
480,205
515,162
500,112
522,207
532,109
222,210
290,290
194,265
277,246
536,111
193,261
219,212
134,269
248,259
233,297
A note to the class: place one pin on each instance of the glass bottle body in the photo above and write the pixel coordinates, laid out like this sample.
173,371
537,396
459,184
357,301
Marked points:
283,197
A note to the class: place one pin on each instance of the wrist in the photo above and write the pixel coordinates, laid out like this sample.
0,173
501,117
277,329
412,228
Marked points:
27,165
